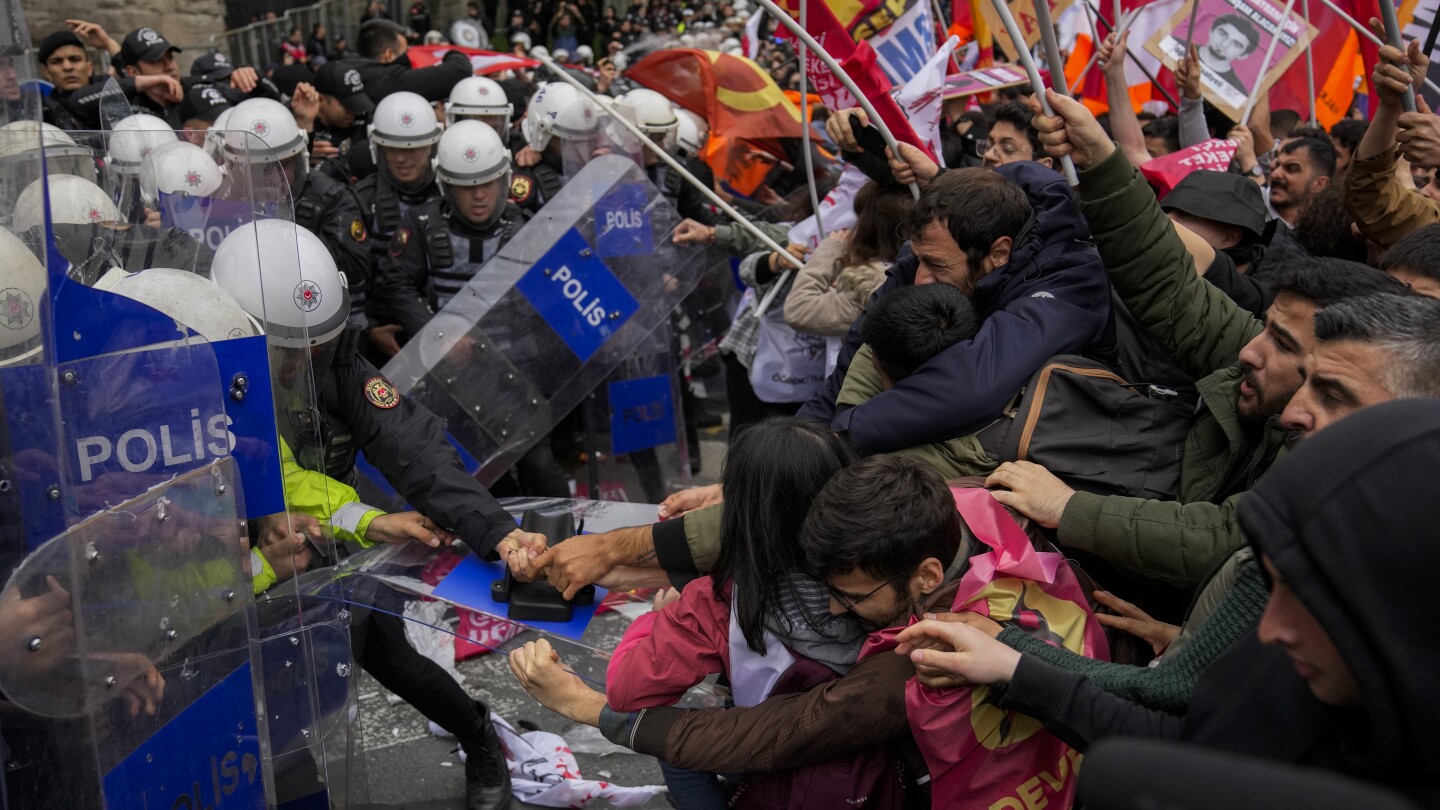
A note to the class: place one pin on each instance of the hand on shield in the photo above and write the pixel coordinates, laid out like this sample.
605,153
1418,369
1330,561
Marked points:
402,527
963,652
37,635
580,561
538,669
519,550
688,500
1072,130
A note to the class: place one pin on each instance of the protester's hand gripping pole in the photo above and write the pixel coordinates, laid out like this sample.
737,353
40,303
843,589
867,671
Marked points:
1392,33
1265,63
804,36
672,163
1017,41
1365,32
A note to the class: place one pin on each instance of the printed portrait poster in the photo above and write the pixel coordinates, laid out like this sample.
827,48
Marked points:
1024,13
1232,37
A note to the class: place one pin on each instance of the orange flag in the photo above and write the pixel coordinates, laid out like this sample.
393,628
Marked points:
1339,89
747,112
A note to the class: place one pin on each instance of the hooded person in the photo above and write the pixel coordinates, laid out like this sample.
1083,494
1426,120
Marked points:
1337,605
1227,212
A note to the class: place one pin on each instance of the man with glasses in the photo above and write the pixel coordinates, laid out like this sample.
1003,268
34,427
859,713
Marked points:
1011,139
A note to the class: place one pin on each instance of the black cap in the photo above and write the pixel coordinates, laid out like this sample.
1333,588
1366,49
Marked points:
212,67
203,101
56,41
144,45
1220,197
342,80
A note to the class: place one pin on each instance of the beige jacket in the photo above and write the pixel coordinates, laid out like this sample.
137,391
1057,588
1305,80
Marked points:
827,297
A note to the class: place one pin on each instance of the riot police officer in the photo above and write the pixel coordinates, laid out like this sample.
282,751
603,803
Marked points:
323,205
359,410
402,137
482,99
444,243
658,119
561,125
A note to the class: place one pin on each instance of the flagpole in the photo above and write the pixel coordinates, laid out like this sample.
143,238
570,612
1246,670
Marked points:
1139,64
875,119
726,208
1017,43
1365,32
805,126
940,15
1050,44
1265,63
1309,63
1392,33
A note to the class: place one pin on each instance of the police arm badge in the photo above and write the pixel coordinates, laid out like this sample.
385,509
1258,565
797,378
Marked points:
381,393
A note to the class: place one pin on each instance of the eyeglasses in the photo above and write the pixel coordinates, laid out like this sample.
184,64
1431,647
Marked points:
1008,148
850,606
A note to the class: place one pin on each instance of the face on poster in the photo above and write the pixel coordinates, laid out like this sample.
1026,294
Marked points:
1231,38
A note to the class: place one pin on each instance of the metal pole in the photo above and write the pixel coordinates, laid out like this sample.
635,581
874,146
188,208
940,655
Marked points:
805,127
1265,63
1392,33
804,36
1190,32
1365,32
564,75
1139,64
1050,44
1310,63
1017,42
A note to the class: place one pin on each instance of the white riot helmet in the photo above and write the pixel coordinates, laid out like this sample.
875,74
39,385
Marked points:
561,56
21,149
520,38
180,168
22,290
539,51
472,154
133,138
402,120
558,110
653,112
620,61
270,124
585,55
480,98
299,295
693,132
191,300
73,201
469,34
215,136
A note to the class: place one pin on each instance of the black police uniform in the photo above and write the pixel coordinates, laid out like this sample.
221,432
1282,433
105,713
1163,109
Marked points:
359,410
383,207
533,186
330,210
687,199
434,83
433,256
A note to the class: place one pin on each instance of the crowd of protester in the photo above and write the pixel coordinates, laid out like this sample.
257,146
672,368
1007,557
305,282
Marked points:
1059,465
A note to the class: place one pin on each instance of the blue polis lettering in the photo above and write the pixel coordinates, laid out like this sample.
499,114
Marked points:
577,295
141,449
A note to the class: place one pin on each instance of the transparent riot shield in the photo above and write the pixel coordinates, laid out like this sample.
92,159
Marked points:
144,427
552,316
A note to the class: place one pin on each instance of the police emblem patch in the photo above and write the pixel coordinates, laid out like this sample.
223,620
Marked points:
470,154
260,127
381,393
520,189
399,241
307,295
192,179
16,308
357,231
407,120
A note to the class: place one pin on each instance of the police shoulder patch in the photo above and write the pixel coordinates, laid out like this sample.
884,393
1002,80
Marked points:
381,393
520,188
357,231
399,241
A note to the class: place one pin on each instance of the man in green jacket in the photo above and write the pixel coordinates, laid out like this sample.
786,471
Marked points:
1246,371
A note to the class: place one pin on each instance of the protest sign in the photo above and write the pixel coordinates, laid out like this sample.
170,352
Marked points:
1024,12
1165,172
1232,37
984,80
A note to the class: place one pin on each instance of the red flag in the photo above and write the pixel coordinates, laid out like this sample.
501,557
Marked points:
485,62
858,62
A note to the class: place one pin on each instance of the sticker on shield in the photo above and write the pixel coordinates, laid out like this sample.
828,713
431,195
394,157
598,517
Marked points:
622,222
577,295
642,414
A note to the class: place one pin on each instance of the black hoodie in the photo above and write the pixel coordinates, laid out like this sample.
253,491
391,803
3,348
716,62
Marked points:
1348,520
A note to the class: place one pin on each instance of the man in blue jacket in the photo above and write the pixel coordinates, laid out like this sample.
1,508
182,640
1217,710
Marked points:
1037,283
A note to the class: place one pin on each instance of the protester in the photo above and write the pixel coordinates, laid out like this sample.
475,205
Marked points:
385,67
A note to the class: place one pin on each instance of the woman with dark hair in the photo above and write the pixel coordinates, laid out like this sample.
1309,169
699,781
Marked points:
760,618
850,264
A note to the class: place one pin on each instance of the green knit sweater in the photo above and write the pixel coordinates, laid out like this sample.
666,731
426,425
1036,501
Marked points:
1166,685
